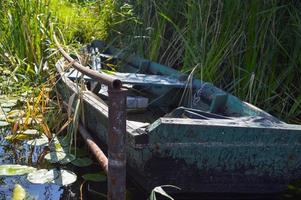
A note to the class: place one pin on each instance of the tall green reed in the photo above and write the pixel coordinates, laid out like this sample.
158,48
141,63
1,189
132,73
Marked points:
249,48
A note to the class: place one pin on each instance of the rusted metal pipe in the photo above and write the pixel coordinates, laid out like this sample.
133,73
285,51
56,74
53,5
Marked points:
116,144
115,165
102,78
100,156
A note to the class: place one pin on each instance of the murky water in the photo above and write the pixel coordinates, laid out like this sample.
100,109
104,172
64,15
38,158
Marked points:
22,153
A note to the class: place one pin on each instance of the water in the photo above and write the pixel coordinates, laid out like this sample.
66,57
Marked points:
21,153
24,154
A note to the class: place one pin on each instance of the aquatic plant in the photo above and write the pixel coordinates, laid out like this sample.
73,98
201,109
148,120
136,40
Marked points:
240,46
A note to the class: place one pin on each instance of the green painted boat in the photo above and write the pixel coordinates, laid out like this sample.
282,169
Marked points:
185,132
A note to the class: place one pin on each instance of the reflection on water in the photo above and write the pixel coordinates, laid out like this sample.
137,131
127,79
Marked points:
36,191
21,153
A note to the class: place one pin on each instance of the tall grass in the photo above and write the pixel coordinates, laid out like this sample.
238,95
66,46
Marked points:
249,48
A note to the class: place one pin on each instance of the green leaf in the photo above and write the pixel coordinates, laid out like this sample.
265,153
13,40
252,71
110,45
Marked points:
5,110
3,123
95,177
59,157
12,170
42,176
56,176
2,117
8,104
41,141
160,190
32,132
82,162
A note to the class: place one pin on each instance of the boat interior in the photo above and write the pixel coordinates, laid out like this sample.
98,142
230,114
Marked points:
155,90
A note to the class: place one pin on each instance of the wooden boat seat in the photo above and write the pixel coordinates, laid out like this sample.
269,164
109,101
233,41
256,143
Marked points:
137,79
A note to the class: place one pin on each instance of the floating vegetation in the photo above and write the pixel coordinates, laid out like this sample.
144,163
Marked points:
95,177
60,177
13,170
30,132
82,162
59,157
7,104
3,123
41,141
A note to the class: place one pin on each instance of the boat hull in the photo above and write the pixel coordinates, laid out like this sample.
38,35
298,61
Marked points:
200,156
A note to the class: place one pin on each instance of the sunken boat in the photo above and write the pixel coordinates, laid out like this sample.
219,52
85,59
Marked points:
183,131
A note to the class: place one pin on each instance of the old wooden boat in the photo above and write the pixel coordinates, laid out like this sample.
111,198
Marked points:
185,132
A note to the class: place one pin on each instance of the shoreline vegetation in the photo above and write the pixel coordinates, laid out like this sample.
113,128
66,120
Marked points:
248,48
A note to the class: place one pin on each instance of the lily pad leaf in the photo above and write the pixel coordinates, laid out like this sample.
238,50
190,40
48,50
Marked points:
95,177
5,110
59,157
2,117
42,176
56,145
12,170
82,162
3,123
41,141
8,104
66,177
60,177
32,132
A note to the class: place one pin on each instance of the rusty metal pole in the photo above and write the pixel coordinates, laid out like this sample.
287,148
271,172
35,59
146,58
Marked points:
116,144
100,156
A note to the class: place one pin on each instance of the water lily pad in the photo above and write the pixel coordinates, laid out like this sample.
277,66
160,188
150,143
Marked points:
80,152
59,157
3,123
95,177
5,98
12,170
42,176
2,117
8,104
32,132
59,177
5,110
82,162
41,141
55,145
66,177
